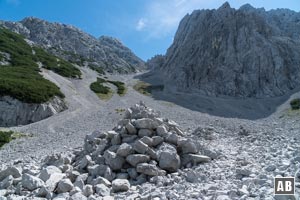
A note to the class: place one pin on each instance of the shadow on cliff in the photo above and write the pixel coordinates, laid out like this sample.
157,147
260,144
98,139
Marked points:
244,108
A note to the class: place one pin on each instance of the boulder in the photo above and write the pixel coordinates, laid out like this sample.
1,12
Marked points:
120,185
46,172
64,185
150,169
101,180
168,158
135,159
145,132
31,182
131,129
147,140
187,146
102,190
114,161
78,196
7,182
145,123
13,171
88,190
157,140
162,130
124,150
140,147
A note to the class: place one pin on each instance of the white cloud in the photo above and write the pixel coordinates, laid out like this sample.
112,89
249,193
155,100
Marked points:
141,24
161,18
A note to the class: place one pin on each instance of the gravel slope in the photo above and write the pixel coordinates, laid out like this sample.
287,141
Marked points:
270,141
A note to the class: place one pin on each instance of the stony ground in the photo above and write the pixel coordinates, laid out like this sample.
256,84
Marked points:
247,158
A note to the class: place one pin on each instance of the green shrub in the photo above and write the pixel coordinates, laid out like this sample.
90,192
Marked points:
96,68
21,79
120,85
5,137
295,104
56,64
97,87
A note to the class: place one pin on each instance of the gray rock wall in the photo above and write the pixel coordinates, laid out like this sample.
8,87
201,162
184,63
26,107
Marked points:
240,53
14,112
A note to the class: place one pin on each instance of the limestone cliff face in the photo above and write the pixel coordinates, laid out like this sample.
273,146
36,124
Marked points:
14,112
241,53
73,44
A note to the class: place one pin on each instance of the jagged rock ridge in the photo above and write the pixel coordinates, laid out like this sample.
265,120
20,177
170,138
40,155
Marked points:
246,52
73,44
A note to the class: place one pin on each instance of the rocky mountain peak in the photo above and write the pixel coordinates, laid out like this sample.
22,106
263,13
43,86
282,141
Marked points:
225,6
71,43
246,7
235,52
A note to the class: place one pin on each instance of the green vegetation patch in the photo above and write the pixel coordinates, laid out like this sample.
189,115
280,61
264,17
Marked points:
121,89
21,79
295,104
96,68
7,136
56,64
146,88
97,87
102,91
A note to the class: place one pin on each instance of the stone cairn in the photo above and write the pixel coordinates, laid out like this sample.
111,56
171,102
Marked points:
141,146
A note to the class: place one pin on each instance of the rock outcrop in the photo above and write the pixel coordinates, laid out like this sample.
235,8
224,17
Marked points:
14,112
246,52
141,148
75,45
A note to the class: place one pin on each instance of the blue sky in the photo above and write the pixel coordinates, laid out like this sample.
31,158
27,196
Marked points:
147,27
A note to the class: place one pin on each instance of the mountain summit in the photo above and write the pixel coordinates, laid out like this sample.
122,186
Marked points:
244,52
73,44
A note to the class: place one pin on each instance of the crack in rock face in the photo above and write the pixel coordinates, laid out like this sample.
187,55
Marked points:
142,146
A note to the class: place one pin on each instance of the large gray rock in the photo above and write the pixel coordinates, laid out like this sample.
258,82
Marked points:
150,169
46,172
187,146
237,53
146,123
31,182
140,147
120,185
15,172
124,150
168,158
65,185
14,112
105,52
135,159
102,190
8,181
114,161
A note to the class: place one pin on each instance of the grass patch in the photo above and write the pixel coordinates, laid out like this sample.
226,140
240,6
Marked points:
146,88
96,68
121,89
119,110
295,104
56,64
102,91
21,79
107,96
7,136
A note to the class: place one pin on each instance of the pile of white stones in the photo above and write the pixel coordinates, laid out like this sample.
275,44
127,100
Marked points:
141,146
